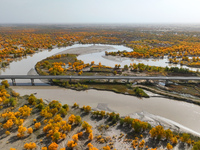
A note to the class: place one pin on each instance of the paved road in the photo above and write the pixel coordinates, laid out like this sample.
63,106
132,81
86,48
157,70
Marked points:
98,77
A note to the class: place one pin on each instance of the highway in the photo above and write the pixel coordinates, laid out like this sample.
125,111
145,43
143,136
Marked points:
99,77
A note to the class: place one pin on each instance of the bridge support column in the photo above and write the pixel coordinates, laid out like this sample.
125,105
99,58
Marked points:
166,82
32,82
147,81
127,80
186,81
108,80
13,82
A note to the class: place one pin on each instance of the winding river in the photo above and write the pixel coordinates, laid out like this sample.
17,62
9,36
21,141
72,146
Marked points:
182,113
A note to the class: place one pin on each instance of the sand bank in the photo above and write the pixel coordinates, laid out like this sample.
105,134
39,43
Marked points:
187,114
87,50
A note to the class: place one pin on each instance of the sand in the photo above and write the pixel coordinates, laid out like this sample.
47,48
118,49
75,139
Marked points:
87,50
162,108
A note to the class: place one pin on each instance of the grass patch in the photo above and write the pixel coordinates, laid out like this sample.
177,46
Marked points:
107,86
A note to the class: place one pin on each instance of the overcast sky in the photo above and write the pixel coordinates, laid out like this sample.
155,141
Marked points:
99,11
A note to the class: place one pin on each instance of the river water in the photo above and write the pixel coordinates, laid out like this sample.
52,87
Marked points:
183,113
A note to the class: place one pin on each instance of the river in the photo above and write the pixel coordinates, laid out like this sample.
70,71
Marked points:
183,113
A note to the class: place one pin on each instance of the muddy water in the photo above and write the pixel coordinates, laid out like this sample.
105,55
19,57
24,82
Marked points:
180,112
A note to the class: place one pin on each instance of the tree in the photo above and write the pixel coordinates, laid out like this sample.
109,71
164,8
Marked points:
25,111
169,146
106,147
90,137
89,145
67,127
71,119
125,67
56,136
168,134
87,109
185,137
30,130
21,131
8,124
71,144
30,146
75,137
63,111
19,121
53,146
32,99
57,118
141,144
37,125
77,120
157,132
7,132
80,134
86,126
174,140
135,143
136,124
196,145
5,83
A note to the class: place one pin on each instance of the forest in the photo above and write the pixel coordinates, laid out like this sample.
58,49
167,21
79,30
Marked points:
28,122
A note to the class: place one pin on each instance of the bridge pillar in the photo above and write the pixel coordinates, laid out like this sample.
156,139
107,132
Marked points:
166,82
32,82
127,80
13,82
186,81
108,80
147,80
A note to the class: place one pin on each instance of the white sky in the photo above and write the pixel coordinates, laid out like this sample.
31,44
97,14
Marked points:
99,11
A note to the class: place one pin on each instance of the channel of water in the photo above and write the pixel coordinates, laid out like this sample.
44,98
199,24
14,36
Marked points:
183,113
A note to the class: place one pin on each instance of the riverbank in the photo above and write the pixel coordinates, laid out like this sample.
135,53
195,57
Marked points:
117,132
187,114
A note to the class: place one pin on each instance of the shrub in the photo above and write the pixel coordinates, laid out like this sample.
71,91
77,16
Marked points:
5,83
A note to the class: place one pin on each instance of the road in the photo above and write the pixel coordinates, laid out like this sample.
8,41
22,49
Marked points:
99,77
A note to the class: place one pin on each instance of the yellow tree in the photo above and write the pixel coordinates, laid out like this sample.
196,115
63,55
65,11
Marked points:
56,136
90,137
25,111
30,146
30,130
8,124
71,119
71,144
37,125
53,146
21,131
75,137
169,146
157,132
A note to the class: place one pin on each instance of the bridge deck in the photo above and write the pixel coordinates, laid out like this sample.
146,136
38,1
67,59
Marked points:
98,77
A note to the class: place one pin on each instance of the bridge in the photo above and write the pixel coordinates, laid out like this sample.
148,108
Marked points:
33,77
